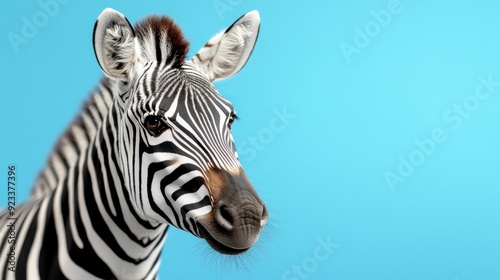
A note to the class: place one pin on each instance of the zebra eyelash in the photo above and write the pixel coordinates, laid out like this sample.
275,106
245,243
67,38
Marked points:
232,118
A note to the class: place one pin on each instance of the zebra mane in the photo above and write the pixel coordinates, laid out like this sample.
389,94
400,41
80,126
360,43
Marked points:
161,40
76,138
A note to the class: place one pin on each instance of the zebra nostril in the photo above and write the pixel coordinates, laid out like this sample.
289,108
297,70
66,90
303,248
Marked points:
225,214
224,217
264,217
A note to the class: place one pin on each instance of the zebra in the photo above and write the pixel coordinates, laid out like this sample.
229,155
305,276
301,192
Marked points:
151,148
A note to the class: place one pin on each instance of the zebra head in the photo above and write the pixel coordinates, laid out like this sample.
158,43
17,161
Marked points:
177,155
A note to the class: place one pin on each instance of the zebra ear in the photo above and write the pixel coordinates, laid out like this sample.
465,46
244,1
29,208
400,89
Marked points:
227,52
114,45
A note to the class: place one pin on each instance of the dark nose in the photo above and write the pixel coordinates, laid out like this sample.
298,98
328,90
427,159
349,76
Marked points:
230,215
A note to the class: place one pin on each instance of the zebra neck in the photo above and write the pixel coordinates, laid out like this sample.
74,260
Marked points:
84,171
119,230
122,237
100,164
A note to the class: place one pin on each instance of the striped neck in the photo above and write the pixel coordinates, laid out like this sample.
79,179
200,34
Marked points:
102,222
129,245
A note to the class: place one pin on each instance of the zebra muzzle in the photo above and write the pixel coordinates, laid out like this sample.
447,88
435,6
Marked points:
238,214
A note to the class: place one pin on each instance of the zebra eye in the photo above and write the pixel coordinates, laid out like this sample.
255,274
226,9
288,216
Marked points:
155,125
232,118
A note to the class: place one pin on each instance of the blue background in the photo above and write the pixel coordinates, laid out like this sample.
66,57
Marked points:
354,118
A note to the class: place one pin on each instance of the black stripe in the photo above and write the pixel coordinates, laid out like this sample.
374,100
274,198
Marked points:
191,186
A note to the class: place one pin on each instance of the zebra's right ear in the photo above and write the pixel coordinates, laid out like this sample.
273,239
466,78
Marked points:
114,45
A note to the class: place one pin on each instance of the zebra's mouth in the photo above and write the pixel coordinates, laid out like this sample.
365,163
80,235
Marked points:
218,246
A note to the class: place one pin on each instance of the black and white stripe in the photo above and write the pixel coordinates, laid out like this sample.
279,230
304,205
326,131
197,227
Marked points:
101,207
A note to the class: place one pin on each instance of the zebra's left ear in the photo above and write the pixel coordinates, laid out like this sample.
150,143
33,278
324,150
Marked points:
227,52
114,44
